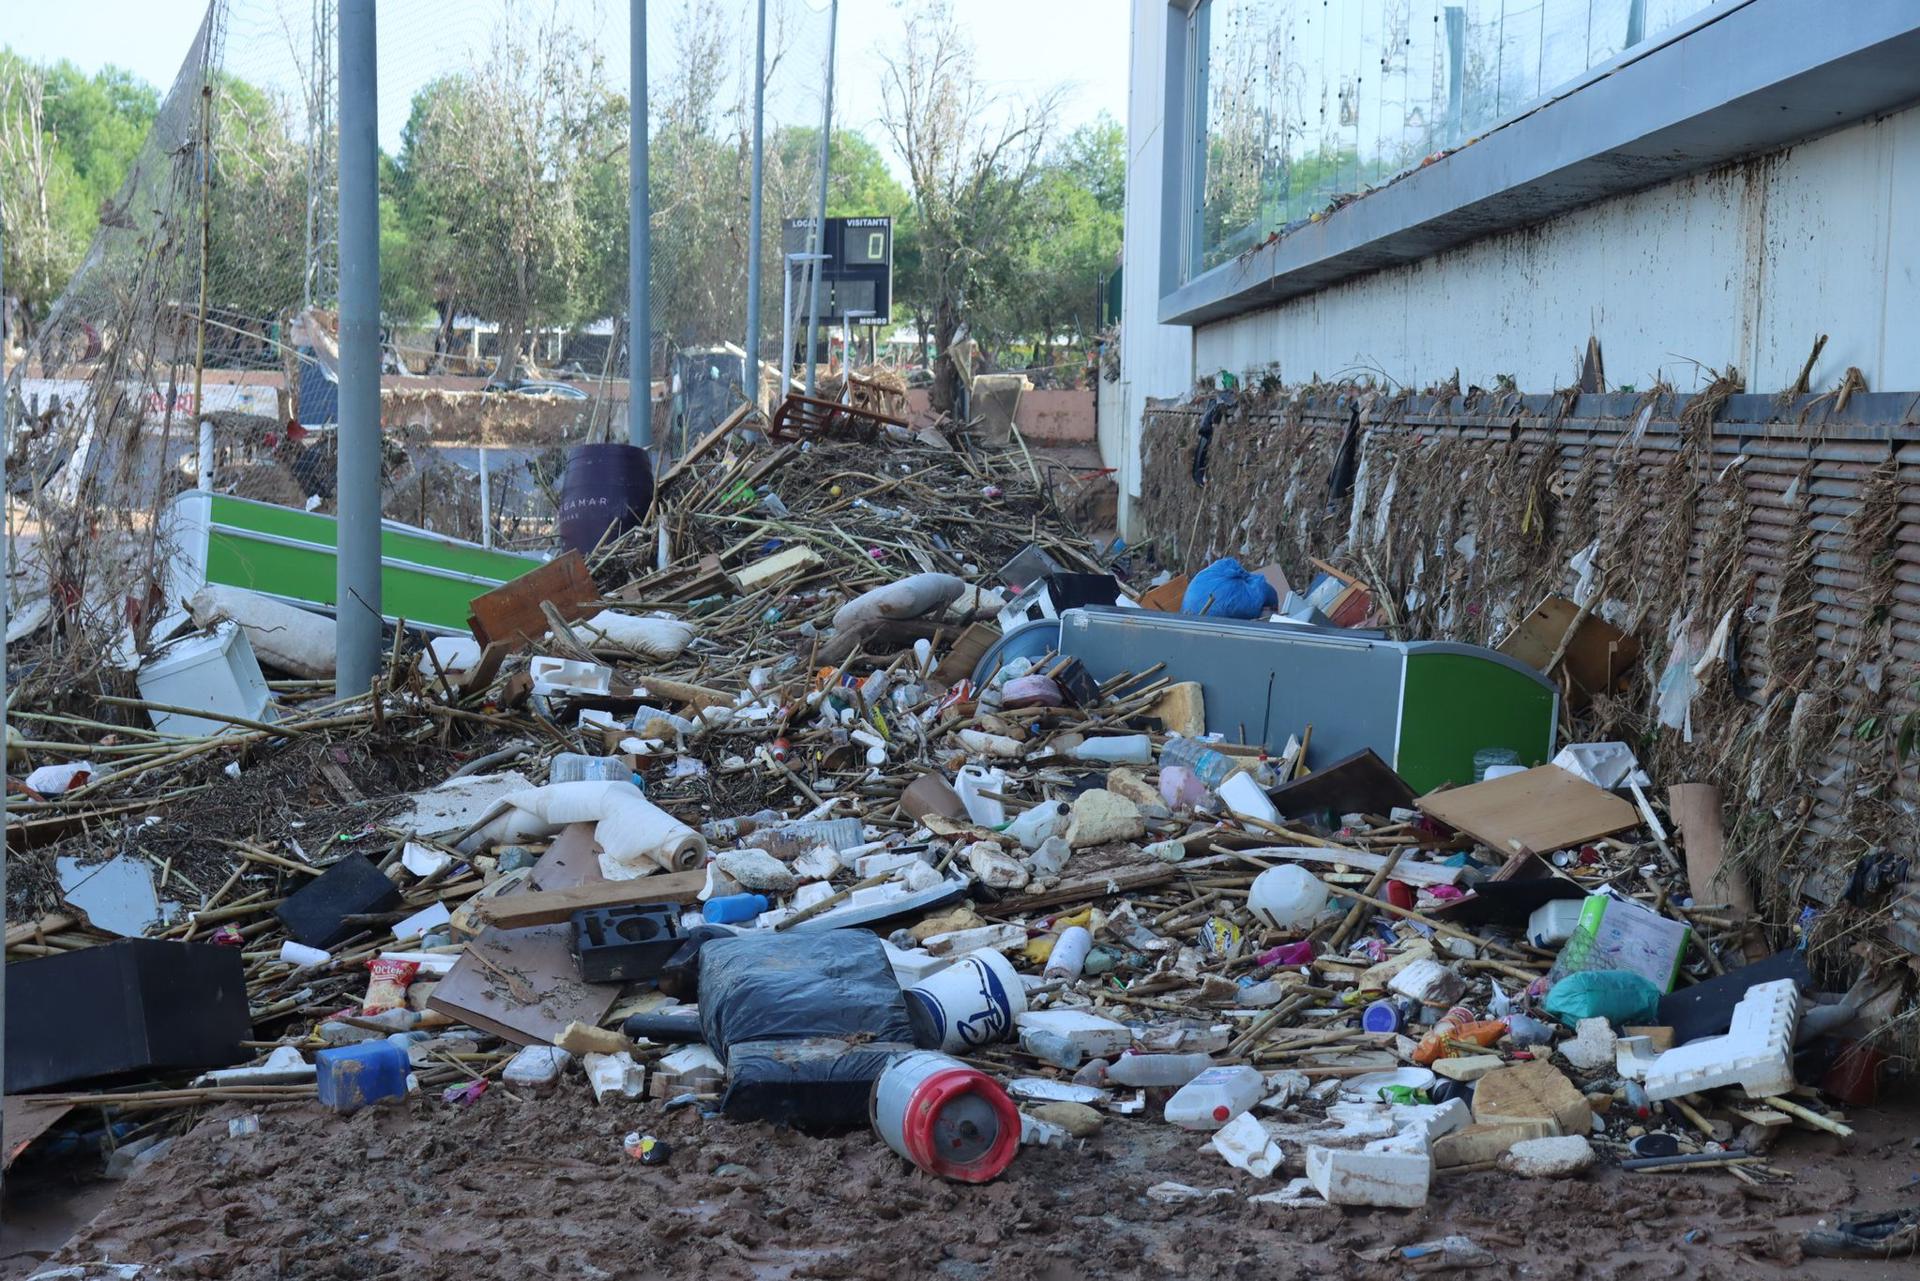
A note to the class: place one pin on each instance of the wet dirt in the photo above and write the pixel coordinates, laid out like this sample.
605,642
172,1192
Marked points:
542,1188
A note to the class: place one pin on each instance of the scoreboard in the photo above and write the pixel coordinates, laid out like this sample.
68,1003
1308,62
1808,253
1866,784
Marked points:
857,276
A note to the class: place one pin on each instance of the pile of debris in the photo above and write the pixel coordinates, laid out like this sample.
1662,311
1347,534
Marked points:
852,788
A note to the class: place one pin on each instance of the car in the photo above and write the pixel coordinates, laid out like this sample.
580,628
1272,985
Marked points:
539,387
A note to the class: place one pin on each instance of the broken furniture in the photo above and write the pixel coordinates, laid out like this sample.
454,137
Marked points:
136,1005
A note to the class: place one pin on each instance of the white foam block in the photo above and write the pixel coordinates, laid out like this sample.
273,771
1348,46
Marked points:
1756,1054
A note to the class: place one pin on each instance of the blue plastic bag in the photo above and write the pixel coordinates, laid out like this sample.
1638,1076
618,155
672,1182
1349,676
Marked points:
1234,592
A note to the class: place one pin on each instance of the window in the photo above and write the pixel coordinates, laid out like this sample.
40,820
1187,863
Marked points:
1302,102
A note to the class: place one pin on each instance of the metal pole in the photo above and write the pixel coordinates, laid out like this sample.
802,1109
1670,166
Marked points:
6,594
752,371
786,325
357,608
820,204
639,244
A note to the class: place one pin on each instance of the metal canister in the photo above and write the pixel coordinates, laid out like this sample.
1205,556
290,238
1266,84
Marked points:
945,1117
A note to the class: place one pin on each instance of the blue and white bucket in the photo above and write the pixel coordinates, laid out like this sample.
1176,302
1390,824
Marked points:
973,1001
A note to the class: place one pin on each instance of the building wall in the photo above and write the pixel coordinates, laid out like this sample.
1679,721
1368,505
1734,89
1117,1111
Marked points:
1741,266
1155,360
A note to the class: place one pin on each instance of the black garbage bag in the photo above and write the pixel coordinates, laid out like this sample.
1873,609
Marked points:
805,1023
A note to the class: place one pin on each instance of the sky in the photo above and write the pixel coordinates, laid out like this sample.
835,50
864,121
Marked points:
1022,46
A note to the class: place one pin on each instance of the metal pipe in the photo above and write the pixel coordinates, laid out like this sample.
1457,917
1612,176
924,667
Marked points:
820,204
751,380
357,604
639,243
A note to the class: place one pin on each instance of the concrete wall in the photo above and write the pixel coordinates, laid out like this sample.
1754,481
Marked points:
1745,265
1052,415
1155,360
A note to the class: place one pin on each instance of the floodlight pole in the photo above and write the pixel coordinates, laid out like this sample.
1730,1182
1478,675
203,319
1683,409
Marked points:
639,242
751,384
357,571
820,204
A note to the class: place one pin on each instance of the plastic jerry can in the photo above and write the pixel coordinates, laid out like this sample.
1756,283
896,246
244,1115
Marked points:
1554,923
945,1117
352,1076
1215,1097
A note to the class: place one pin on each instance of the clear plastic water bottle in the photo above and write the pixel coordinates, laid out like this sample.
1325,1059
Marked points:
1215,1097
1207,765
1133,1070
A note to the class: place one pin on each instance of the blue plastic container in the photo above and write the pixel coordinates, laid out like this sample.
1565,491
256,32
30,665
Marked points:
352,1076
729,909
1382,1016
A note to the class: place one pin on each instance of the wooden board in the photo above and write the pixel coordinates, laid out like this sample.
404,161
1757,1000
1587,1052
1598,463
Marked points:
720,432
1360,783
546,907
26,1119
752,577
521,985
1596,659
1412,873
512,613
1542,809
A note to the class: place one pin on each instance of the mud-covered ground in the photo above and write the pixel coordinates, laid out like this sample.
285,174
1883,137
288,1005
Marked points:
542,1188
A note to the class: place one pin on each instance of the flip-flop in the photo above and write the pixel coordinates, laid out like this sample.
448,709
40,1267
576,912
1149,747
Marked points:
1874,1236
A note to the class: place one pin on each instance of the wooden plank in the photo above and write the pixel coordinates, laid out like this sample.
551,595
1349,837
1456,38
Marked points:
1540,809
1412,873
781,563
512,613
705,444
1596,659
965,652
1696,813
547,907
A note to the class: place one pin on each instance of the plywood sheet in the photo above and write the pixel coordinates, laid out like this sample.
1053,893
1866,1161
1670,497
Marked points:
521,985
1538,809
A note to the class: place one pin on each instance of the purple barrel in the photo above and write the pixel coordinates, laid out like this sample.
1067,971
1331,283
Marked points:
605,492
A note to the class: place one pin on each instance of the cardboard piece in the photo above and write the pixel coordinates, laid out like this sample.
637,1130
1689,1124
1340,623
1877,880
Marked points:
1358,784
965,653
545,907
1182,709
1596,660
1167,597
511,612
521,985
1540,809
27,1118
1696,813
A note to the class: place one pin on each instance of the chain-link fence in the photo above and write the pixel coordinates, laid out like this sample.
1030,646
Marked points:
195,344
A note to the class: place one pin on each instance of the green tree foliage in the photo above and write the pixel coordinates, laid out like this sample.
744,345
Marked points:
67,141
496,189
258,233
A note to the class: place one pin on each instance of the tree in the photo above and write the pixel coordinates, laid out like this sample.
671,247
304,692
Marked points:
972,159
494,159
257,241
66,144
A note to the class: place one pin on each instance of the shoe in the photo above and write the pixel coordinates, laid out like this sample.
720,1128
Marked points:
1868,1236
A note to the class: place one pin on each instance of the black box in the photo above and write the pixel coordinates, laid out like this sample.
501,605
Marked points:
133,1006
350,887
622,944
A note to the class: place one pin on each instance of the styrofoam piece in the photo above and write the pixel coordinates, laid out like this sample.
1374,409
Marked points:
1397,1178
1095,1037
1429,982
615,1074
453,655
1041,1089
912,966
214,673
536,1067
1756,1053
427,918
553,675
1591,1047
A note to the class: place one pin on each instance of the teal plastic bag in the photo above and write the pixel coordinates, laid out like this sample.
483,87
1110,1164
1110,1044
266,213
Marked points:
1621,997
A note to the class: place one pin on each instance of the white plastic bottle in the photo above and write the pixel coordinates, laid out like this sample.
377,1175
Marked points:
1215,1097
1125,749
1287,897
1035,825
1162,1070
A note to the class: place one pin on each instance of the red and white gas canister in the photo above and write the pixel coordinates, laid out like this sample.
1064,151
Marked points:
945,1117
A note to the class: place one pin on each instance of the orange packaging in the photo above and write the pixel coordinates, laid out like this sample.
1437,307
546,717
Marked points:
1435,1044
